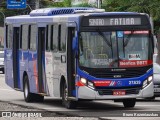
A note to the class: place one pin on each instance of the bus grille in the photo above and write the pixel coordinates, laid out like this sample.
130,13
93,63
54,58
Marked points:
110,91
127,73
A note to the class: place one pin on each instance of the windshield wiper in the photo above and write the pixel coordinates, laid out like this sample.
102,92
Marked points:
103,36
127,39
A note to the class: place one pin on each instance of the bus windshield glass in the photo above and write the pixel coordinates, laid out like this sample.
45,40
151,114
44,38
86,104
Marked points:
116,49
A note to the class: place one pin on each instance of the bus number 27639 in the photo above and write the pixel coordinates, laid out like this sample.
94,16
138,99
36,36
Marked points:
137,82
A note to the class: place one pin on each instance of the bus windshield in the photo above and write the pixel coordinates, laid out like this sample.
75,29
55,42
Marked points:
114,49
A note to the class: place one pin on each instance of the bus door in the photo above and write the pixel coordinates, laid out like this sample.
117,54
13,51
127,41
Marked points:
32,59
8,56
15,53
71,62
41,59
58,48
49,60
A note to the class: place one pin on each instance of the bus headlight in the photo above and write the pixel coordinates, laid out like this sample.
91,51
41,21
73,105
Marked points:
150,78
84,81
87,83
147,81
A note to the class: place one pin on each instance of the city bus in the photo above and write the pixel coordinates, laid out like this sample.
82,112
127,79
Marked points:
80,53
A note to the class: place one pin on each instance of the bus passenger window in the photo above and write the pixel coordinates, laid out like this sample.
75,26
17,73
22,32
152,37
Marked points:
24,44
9,36
54,38
33,33
63,38
48,37
59,38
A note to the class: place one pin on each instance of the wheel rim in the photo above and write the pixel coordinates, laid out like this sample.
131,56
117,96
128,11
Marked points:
26,90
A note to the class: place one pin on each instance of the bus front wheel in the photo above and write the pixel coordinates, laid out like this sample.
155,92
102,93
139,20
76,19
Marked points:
129,103
67,103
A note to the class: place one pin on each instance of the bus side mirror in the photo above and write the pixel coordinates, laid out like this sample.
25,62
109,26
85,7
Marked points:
75,46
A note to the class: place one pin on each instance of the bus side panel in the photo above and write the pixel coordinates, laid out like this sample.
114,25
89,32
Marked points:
21,68
9,68
49,72
33,73
56,74
23,56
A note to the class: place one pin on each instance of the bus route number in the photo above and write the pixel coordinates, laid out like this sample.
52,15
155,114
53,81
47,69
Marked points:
134,82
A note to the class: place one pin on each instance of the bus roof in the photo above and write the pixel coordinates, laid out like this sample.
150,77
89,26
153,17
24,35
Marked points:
72,12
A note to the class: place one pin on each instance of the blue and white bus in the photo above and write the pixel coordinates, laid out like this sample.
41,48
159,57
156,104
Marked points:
80,54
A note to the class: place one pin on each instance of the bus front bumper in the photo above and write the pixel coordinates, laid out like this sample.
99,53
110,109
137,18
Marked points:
86,93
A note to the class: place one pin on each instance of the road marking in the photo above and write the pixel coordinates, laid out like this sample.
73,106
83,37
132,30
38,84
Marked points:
7,90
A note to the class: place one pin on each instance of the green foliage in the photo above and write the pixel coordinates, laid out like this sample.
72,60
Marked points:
150,7
83,5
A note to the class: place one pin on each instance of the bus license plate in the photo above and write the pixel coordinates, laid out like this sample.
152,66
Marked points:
119,92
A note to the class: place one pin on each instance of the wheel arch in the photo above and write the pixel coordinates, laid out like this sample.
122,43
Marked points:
24,74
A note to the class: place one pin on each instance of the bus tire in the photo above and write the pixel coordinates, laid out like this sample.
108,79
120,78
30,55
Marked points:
39,98
129,103
28,97
69,104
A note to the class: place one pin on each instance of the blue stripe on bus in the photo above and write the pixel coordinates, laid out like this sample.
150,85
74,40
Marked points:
124,81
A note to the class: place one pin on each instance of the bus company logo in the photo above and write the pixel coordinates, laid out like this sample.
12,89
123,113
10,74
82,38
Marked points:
134,56
113,83
119,83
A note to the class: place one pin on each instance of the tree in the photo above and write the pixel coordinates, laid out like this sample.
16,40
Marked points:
146,6
150,7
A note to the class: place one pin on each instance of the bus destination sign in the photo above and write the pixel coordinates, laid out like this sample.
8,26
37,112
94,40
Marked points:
114,21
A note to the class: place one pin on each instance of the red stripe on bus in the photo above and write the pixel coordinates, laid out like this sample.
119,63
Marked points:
102,83
134,63
35,76
137,32
79,84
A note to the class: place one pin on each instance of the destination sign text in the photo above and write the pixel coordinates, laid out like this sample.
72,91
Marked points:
114,21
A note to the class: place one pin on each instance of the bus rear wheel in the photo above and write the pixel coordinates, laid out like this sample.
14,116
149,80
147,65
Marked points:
30,97
129,103
67,103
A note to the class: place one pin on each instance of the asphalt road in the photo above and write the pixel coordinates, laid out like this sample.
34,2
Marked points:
94,109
